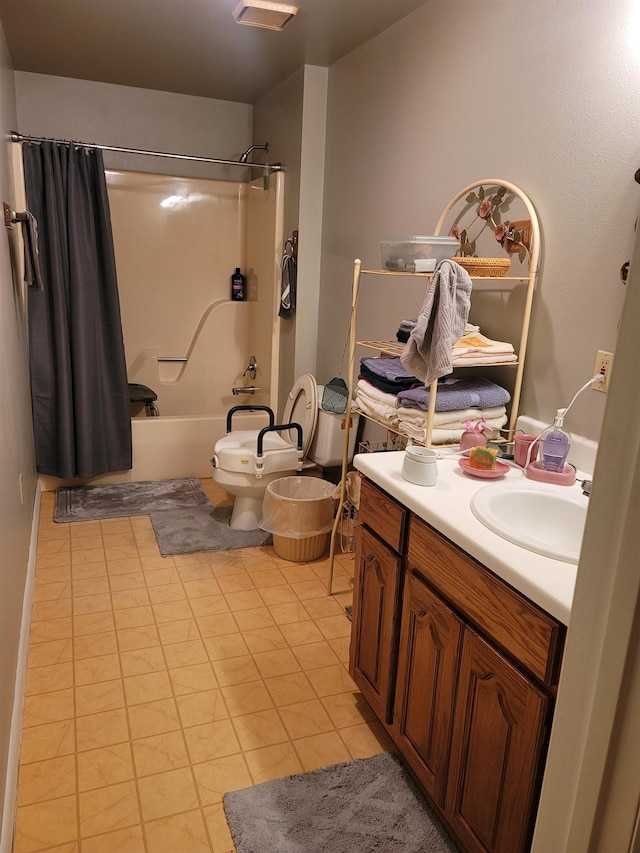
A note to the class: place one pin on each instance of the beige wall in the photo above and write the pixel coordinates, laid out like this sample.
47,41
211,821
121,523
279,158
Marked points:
16,442
107,114
277,119
543,94
314,122
293,119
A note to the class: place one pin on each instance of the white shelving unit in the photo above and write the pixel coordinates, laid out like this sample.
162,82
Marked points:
529,277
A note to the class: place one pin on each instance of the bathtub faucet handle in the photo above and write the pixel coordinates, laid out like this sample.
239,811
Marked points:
251,368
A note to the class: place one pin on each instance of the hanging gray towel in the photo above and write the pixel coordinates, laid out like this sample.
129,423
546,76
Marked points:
32,274
444,313
288,287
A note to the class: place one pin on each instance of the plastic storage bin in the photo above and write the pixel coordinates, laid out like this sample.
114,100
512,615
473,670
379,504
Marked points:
299,512
401,253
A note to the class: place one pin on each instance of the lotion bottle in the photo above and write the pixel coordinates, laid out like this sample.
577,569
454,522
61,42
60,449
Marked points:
238,286
554,444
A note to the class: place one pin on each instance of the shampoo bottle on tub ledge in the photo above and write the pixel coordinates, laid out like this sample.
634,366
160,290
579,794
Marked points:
238,286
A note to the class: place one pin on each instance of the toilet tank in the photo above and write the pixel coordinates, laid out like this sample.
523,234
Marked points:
327,446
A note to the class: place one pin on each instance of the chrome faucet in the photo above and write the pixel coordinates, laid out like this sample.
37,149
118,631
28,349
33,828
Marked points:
251,368
244,157
249,389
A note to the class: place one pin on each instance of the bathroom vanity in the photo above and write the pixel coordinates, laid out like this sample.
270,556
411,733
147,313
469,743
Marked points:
517,289
457,642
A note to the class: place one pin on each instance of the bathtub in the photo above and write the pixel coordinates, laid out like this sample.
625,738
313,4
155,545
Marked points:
165,448
180,446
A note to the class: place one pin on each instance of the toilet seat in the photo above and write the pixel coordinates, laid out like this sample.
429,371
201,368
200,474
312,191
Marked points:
244,474
302,408
237,451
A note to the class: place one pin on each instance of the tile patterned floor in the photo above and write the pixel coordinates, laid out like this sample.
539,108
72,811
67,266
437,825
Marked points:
155,684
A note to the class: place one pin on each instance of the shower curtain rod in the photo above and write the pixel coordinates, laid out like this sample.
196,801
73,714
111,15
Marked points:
273,167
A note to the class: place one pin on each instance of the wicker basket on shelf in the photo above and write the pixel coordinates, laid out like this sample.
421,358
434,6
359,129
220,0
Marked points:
492,267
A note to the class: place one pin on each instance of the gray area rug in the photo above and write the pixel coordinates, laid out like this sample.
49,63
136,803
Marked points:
85,503
192,529
369,804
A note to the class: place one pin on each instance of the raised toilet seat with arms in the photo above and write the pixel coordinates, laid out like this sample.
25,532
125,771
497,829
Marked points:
246,461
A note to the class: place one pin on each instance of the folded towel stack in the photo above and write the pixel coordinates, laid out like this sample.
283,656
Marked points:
373,401
448,425
387,392
404,330
455,392
476,348
387,374
447,433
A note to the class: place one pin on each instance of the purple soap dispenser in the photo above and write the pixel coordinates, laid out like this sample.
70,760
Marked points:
554,444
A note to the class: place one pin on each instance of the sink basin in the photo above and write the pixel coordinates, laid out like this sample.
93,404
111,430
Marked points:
549,522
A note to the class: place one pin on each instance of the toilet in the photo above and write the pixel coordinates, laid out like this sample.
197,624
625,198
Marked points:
246,461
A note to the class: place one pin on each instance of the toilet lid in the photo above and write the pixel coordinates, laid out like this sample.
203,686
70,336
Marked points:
302,408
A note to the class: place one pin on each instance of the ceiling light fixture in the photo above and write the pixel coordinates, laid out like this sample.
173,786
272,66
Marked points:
263,13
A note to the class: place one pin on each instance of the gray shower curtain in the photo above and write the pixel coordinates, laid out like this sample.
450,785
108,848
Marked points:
80,397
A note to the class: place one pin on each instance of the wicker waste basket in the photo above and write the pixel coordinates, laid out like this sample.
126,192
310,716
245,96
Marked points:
299,512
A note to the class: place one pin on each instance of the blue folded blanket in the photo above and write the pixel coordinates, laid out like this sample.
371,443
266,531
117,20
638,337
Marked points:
390,369
454,392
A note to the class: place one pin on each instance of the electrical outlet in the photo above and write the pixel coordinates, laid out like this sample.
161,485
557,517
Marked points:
604,362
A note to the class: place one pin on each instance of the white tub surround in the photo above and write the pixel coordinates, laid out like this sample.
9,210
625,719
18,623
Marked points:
446,506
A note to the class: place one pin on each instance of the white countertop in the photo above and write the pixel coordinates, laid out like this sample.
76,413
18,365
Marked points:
446,507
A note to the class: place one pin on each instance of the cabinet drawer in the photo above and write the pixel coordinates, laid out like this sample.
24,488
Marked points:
517,625
382,514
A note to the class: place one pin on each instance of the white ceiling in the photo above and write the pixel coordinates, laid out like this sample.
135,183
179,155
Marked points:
189,46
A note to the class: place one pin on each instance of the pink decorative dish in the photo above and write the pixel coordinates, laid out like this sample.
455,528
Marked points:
484,473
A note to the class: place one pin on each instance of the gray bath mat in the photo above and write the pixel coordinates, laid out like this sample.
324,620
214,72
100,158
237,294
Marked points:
192,529
367,804
84,503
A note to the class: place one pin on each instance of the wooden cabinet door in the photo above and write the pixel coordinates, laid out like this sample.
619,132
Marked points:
497,749
374,632
430,638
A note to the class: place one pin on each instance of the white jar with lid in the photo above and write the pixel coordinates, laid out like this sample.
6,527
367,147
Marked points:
419,466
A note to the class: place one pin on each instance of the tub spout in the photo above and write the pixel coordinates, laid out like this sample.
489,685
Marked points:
250,389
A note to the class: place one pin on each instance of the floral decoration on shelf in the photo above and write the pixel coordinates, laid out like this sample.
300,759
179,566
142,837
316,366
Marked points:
513,237
475,433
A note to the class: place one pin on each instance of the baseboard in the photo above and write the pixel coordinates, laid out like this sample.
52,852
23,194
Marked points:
15,736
